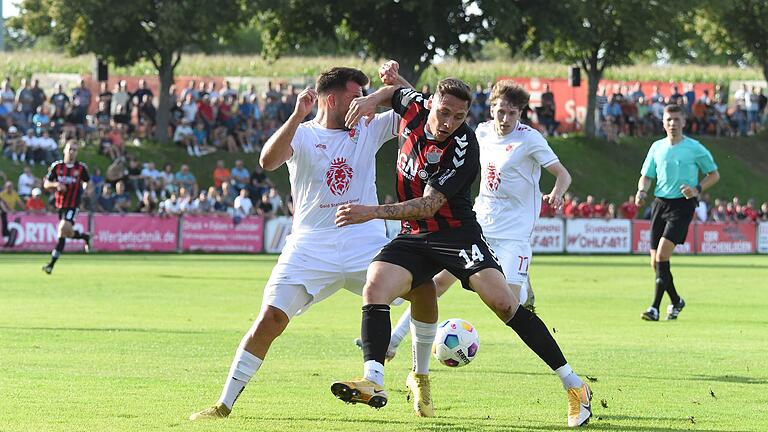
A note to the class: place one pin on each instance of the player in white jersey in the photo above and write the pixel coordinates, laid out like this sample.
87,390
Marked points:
329,165
508,206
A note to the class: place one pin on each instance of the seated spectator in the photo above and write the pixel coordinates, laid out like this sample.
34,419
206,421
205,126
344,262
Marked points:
221,138
88,200
265,208
168,181
135,183
586,209
243,205
749,212
35,202
116,171
48,149
106,201
26,182
763,214
150,176
170,207
228,194
147,204
97,180
122,200
219,206
612,212
221,174
15,145
572,211
202,204
600,210
701,213
185,137
628,209
240,175
184,178
184,199
31,143
11,197
613,118
41,121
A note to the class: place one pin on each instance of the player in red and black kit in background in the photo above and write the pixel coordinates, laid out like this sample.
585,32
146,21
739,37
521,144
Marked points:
68,178
438,161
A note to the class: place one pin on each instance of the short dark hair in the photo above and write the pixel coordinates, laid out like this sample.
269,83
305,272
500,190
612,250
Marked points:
674,109
337,79
454,87
511,92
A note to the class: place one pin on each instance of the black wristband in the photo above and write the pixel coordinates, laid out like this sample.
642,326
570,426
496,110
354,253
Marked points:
698,188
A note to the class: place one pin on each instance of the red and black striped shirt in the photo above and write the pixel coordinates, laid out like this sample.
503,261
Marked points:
450,166
72,176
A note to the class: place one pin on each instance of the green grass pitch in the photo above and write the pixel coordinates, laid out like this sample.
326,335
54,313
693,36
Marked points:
138,342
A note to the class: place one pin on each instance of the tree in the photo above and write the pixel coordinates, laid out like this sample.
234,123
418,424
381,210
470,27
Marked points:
736,27
124,32
597,34
411,31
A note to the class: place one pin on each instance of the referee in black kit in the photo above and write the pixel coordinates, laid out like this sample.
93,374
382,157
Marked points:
675,163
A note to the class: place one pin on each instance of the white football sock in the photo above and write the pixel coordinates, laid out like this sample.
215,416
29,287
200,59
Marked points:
423,338
568,377
400,330
244,366
374,371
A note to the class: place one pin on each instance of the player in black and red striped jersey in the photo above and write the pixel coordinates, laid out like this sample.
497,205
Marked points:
68,178
438,161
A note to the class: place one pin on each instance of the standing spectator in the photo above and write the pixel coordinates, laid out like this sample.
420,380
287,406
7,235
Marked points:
25,99
763,214
752,104
81,96
184,178
27,181
221,174
147,115
600,209
630,113
189,107
105,96
141,91
613,118
637,94
7,95
546,112
38,95
702,209
189,90
227,91
60,102
135,182
628,209
121,103
587,208
35,202
275,200
240,175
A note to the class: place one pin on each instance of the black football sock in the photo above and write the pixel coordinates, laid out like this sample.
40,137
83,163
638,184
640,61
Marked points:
535,334
56,252
661,285
374,331
663,268
79,235
4,220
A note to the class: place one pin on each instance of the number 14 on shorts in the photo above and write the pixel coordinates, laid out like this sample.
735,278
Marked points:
477,256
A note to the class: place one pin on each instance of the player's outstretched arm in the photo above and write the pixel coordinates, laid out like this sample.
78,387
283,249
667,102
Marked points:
278,148
562,182
417,208
366,106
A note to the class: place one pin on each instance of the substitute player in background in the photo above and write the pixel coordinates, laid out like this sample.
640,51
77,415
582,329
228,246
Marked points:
438,161
68,178
329,165
675,163
508,206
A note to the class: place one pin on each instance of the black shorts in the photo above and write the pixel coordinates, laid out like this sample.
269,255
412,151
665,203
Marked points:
68,214
463,252
670,219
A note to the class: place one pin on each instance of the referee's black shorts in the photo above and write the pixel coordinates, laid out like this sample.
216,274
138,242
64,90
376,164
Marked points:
462,251
670,219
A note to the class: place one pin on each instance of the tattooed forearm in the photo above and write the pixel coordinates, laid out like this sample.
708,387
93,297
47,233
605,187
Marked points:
417,208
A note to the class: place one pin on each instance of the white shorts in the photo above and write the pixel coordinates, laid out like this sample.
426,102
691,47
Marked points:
515,258
311,268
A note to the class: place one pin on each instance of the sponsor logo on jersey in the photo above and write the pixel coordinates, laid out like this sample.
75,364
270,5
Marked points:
408,166
493,177
434,154
339,176
446,175
321,146
423,174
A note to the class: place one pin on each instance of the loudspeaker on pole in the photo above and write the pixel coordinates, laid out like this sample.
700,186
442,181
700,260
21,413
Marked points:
574,76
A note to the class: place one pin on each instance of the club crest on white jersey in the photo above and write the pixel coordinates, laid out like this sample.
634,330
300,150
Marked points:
339,176
492,177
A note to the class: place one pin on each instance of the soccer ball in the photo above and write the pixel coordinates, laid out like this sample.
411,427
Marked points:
456,343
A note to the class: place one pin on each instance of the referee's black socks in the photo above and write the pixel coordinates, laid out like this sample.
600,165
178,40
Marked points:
375,331
665,282
535,334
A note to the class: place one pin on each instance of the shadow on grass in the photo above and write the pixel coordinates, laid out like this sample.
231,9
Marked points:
105,329
196,277
737,379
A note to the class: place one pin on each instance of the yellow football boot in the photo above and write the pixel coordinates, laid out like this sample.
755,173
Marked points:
579,405
215,412
419,391
360,390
